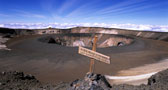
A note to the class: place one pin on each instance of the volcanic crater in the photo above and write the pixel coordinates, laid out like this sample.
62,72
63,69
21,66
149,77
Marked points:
86,40
53,56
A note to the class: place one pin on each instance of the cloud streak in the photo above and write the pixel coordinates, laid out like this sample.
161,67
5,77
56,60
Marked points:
29,15
4,15
66,5
122,6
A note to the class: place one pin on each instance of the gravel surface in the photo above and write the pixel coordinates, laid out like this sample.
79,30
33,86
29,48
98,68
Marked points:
19,81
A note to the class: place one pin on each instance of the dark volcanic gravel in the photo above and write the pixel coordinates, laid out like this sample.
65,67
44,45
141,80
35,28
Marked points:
158,81
20,81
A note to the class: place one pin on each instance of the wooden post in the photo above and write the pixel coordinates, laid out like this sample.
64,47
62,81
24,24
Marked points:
91,68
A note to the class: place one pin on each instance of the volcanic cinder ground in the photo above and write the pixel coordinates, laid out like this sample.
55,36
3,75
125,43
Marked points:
52,54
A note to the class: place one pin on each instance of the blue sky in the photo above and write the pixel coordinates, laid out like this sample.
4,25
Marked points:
153,12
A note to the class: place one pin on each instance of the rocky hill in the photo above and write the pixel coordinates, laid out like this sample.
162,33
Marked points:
144,34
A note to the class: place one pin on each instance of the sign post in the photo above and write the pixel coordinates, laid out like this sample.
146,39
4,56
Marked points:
92,62
93,55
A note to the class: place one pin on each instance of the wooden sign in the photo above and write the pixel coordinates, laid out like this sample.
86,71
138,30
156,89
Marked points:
93,54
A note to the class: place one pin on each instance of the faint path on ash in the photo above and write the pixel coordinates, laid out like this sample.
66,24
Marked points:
138,75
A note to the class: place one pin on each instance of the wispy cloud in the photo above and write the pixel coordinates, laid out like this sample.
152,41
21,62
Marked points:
83,10
4,15
123,7
33,15
128,9
77,11
47,4
29,14
66,5
120,5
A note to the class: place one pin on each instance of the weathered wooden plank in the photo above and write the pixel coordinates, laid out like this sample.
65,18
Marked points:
94,55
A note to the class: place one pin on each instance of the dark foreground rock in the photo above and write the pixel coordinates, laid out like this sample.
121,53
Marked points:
91,82
19,81
158,81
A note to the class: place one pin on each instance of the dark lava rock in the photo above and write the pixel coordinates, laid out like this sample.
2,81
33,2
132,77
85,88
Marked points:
158,81
19,81
91,82
159,78
16,80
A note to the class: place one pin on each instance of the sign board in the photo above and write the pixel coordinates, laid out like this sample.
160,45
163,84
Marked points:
94,55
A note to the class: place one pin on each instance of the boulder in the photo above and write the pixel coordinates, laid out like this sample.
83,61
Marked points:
91,82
